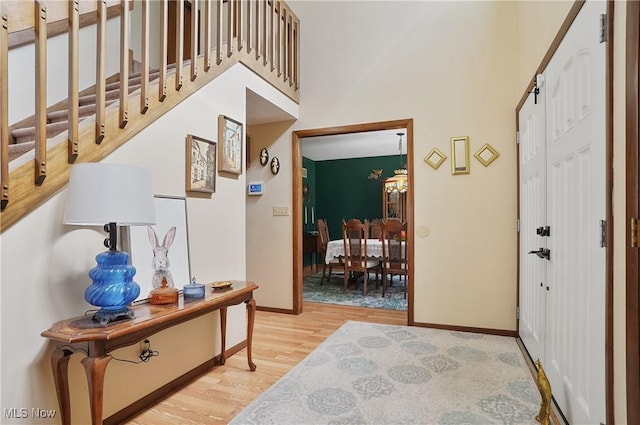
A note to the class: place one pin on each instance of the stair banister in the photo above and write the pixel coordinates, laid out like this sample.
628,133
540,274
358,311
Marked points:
263,35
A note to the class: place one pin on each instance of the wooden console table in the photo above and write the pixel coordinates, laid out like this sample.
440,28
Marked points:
82,334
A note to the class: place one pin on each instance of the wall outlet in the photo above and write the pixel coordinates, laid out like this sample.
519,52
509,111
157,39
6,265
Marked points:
279,210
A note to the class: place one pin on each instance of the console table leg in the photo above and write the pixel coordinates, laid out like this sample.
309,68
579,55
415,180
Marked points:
60,365
223,333
251,315
95,367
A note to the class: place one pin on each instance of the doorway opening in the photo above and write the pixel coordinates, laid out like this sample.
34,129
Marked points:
406,125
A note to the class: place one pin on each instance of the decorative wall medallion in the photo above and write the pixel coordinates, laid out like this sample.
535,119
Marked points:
486,155
305,189
435,158
275,165
264,156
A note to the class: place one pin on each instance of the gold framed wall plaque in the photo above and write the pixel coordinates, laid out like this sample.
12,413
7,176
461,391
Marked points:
486,154
460,155
435,158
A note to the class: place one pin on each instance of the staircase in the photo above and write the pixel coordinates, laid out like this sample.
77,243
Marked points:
22,137
262,35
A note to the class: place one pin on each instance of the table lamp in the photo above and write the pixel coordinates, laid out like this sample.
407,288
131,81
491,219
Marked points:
118,195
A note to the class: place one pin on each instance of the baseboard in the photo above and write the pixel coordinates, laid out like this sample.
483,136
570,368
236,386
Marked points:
275,310
499,332
166,390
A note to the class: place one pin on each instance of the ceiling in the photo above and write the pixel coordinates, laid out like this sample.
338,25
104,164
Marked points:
323,148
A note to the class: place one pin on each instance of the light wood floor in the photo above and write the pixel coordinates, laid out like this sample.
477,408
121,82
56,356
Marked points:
280,342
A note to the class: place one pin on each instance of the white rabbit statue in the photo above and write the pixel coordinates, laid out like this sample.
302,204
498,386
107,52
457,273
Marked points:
160,262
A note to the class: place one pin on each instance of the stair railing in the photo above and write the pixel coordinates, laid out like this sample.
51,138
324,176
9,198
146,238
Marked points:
261,34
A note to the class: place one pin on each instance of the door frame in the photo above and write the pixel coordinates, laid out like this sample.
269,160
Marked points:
608,338
297,199
632,255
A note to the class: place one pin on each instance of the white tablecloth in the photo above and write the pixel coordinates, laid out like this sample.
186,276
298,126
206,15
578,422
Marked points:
336,249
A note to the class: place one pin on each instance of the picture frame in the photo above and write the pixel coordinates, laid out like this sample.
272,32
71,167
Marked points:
435,158
486,154
230,139
170,211
460,155
200,167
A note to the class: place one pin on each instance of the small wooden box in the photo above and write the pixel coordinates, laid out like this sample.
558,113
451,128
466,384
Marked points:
163,296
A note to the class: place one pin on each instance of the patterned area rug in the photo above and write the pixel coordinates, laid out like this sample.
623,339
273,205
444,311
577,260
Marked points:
331,292
380,374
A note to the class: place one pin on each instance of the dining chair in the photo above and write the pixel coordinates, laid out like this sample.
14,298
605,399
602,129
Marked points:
394,253
354,235
323,234
375,228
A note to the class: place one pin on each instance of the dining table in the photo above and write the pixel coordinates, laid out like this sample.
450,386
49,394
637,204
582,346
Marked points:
335,248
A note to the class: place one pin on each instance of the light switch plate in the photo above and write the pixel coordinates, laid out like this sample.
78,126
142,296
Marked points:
280,210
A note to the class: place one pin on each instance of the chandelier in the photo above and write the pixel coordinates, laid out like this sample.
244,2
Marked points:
399,183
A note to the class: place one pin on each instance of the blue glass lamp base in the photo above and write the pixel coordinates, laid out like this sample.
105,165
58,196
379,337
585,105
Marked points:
113,288
105,316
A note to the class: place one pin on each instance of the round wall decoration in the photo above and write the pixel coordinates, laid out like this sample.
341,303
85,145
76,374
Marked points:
275,165
305,189
264,156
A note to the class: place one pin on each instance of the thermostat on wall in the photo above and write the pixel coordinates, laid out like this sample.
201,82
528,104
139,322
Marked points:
255,188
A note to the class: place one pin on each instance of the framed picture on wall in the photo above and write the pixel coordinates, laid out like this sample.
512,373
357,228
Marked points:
230,139
201,165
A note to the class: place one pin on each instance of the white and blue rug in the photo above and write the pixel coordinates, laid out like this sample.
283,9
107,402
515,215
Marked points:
367,373
332,292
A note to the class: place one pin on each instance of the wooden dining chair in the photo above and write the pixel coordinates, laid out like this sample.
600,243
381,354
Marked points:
394,253
375,229
354,235
337,263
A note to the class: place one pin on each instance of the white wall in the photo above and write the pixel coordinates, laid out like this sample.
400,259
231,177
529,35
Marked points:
45,264
451,66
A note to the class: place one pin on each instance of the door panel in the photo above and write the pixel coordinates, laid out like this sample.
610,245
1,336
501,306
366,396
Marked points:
576,204
532,150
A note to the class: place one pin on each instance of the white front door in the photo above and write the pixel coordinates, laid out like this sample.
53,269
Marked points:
533,216
575,109
571,341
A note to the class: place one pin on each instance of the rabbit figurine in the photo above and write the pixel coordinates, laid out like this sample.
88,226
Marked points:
160,262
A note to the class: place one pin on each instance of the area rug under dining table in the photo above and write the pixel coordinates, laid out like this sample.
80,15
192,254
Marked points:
367,373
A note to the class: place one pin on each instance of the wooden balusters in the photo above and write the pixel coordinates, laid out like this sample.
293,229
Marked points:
194,40
101,48
289,28
207,35
4,112
267,27
164,31
237,23
72,104
124,64
296,53
272,16
219,31
40,26
265,24
144,59
230,20
179,42
249,27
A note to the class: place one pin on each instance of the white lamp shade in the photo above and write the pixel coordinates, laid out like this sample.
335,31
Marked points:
101,193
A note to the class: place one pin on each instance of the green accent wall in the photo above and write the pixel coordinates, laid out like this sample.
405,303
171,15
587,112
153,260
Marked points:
341,189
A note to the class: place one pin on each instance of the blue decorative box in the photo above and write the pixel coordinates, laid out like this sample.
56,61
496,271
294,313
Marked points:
193,290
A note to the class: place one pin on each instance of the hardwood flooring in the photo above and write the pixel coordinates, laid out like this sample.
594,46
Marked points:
280,342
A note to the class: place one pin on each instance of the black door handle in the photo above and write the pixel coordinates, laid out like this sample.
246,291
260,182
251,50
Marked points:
542,253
